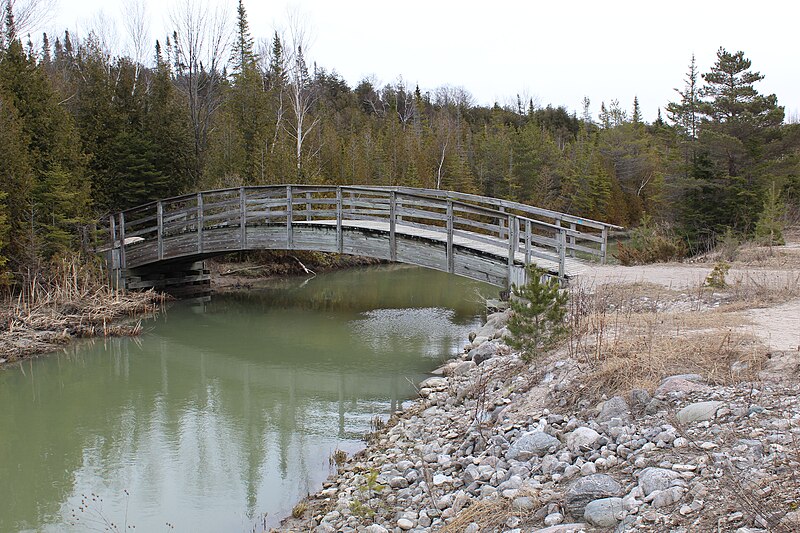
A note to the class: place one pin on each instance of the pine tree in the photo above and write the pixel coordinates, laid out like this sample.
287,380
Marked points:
56,195
539,310
735,113
636,116
243,57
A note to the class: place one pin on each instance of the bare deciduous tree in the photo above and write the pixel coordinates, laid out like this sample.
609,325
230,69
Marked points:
134,17
302,96
30,15
200,45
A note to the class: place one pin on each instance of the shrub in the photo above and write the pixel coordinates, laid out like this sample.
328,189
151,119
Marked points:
772,220
538,314
651,243
716,278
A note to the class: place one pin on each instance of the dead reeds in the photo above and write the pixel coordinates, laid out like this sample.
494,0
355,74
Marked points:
70,299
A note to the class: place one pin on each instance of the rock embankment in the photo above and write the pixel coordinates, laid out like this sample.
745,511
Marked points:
494,444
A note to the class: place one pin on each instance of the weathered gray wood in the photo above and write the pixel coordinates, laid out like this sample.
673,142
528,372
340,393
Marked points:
243,218
200,223
527,241
289,216
513,244
450,258
122,259
604,246
451,232
112,227
160,230
571,238
392,225
339,242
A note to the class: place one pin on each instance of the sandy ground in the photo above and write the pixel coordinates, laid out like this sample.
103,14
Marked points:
778,326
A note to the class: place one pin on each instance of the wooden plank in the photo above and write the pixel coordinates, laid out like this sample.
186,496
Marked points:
160,230
200,222
122,262
242,219
393,226
450,258
289,215
527,241
339,241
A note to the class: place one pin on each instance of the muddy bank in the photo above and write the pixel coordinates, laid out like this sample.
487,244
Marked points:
33,328
257,266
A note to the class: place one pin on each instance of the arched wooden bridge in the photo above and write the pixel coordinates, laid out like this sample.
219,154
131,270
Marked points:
482,238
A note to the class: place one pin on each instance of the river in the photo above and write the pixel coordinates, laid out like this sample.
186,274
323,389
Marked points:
225,412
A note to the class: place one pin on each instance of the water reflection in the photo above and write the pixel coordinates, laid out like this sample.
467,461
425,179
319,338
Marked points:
225,409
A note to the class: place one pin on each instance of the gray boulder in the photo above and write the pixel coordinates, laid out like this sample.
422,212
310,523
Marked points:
616,407
582,439
605,512
698,412
534,443
485,351
652,479
587,489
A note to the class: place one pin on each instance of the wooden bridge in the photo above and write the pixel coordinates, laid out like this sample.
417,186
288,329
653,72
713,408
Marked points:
486,239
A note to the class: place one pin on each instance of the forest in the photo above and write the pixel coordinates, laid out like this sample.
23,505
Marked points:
85,130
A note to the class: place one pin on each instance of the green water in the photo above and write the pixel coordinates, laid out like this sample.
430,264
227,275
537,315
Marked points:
224,410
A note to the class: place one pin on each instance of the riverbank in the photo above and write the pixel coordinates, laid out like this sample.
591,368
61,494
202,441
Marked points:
263,265
73,302
668,409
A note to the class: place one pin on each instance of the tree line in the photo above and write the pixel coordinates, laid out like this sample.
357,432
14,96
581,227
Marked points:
85,130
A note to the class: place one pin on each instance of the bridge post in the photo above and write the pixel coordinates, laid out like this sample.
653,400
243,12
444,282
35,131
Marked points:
122,263
604,246
392,225
513,244
289,206
308,207
572,227
339,236
527,241
562,252
450,259
160,229
112,227
242,218
200,222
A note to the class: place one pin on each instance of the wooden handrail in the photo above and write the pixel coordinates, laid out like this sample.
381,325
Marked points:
501,223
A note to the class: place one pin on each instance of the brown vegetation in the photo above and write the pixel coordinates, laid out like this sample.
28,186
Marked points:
632,335
73,300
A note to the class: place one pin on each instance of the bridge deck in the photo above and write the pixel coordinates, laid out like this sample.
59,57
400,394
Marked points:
573,267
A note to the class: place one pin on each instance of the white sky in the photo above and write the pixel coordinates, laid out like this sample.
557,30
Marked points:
555,52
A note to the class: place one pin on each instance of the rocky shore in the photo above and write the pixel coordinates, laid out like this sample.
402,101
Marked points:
497,444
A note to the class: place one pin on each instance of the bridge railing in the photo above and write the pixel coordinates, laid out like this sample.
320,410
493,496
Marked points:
527,233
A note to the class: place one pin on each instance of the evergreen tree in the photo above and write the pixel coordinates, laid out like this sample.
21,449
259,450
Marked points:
538,316
636,116
243,57
57,198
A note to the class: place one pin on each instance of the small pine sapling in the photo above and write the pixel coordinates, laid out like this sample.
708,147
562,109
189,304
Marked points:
539,309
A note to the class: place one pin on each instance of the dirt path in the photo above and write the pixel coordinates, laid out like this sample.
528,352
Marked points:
769,271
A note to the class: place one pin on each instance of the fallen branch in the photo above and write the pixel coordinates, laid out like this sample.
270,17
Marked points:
306,269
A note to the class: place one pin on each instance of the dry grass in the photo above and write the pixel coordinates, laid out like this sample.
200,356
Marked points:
490,514
625,342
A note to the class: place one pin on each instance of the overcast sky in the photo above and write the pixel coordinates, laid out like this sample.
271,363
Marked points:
555,52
